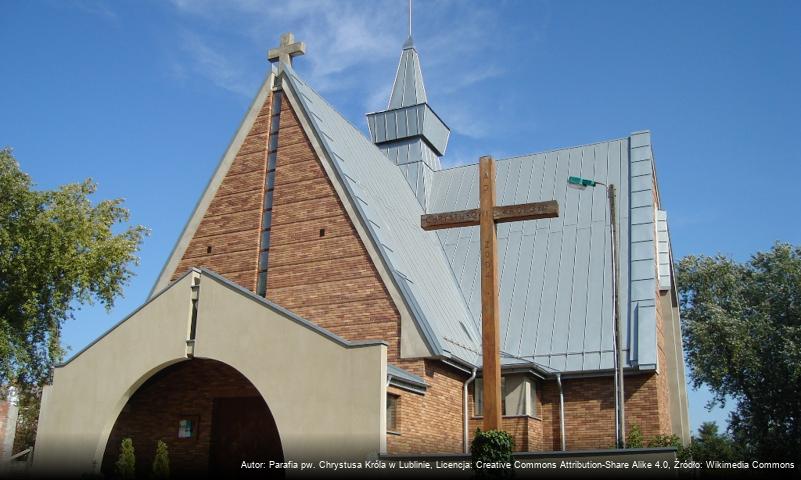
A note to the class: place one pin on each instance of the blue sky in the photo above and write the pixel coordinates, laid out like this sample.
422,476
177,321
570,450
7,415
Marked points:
144,97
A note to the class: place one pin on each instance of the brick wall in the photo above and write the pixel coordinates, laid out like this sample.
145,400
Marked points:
318,266
153,412
526,431
230,225
590,410
429,423
662,394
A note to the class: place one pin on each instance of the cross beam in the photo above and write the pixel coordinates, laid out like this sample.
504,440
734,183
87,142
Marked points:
506,213
486,216
286,50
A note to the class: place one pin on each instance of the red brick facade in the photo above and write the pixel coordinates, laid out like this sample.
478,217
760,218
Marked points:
227,238
185,390
432,422
320,269
318,266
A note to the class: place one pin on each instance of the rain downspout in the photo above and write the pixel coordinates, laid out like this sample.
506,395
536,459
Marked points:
466,383
561,411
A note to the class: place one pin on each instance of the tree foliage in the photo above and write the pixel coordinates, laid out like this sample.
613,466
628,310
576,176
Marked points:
710,445
161,462
126,462
492,447
742,337
634,438
57,251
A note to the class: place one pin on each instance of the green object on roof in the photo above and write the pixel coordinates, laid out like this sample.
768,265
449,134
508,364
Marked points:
581,182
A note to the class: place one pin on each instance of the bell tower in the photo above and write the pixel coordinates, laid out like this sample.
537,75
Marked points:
408,131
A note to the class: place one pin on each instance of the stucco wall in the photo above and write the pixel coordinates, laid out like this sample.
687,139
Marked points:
320,390
327,400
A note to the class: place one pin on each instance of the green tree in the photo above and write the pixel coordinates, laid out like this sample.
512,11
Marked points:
126,462
57,252
161,464
712,445
742,337
634,438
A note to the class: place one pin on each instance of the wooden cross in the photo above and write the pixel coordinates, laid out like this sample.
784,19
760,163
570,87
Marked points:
289,48
486,216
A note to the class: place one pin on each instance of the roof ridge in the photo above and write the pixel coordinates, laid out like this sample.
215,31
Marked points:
290,71
543,152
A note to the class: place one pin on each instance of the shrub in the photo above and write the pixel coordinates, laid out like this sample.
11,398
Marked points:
634,439
126,463
490,447
682,452
161,464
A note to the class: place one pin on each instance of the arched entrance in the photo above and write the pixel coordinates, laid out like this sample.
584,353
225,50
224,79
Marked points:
209,415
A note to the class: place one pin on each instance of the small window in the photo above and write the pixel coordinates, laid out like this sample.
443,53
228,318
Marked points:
187,427
267,219
265,239
392,412
261,286
208,249
268,199
478,396
322,232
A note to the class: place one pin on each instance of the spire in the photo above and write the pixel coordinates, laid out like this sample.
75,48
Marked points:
408,88
408,132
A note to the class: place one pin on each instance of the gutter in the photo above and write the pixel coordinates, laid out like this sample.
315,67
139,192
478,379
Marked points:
466,383
561,411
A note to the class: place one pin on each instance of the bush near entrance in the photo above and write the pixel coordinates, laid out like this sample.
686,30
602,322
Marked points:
492,446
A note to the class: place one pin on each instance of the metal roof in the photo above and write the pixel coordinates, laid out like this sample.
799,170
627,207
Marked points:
555,274
391,214
404,376
408,88
555,289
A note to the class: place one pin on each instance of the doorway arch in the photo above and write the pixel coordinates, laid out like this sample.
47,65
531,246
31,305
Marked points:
210,416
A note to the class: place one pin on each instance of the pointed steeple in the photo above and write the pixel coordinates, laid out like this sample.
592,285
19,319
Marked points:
408,88
408,131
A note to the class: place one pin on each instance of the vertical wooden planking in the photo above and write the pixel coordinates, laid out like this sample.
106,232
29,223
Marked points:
490,314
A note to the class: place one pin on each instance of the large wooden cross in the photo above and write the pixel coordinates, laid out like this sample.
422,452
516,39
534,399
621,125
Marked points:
486,216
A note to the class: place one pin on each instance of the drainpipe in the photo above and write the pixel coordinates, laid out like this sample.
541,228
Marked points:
561,411
466,383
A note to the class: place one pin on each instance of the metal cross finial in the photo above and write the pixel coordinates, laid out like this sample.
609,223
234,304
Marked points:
410,18
289,48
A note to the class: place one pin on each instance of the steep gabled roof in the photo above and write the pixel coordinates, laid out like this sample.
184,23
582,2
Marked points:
555,274
391,214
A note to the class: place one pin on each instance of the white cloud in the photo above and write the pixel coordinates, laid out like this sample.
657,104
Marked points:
339,35
353,48
98,8
215,65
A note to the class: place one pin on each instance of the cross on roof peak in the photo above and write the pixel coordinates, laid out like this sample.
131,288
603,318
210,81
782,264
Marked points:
286,50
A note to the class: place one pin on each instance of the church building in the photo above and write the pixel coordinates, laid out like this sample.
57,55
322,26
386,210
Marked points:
304,313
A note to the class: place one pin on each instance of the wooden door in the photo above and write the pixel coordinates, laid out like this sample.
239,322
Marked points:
243,429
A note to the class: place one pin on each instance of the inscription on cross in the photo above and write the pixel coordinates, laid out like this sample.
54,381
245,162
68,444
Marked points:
486,216
289,48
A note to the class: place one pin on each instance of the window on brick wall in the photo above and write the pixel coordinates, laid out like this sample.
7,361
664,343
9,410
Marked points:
392,412
478,395
518,396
